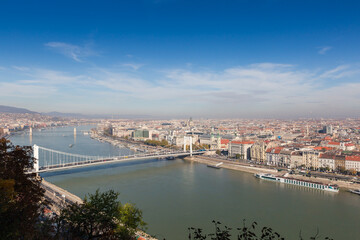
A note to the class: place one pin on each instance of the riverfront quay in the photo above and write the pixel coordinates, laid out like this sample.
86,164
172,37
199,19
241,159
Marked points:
178,194
136,146
344,185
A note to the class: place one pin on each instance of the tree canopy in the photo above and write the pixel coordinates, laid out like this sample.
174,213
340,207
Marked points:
162,143
21,195
100,216
244,232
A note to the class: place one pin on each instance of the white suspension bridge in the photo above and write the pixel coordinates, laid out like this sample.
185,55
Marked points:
52,160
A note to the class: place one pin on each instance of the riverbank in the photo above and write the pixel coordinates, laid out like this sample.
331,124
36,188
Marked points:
230,165
344,185
136,146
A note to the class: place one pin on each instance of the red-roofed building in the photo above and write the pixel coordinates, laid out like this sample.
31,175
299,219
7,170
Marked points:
349,146
337,145
277,150
273,156
323,148
352,163
352,158
341,145
224,144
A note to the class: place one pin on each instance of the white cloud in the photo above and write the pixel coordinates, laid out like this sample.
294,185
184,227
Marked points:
134,66
50,77
341,72
77,53
270,65
324,50
271,80
259,85
2,68
21,68
257,88
56,77
20,90
39,83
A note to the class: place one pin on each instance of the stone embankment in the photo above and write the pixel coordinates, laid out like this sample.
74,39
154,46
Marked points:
230,165
345,185
59,192
123,143
58,197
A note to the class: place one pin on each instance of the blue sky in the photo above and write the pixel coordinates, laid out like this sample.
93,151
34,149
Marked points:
169,58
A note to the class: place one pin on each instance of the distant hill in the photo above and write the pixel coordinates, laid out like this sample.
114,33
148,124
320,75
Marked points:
95,116
65,115
8,109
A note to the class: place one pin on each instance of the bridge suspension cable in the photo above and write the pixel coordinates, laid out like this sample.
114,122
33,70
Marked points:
49,159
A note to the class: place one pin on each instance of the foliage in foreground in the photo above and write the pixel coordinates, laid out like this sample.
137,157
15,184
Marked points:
243,233
100,216
21,196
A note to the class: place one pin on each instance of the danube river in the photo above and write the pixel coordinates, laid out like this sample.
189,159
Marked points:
175,195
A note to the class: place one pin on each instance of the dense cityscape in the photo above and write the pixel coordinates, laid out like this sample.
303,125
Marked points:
325,145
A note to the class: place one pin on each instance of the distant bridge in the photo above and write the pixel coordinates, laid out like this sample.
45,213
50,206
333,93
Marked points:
52,160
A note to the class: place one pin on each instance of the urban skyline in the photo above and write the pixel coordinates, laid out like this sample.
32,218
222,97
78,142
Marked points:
182,58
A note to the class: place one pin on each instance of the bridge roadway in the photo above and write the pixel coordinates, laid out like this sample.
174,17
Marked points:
116,159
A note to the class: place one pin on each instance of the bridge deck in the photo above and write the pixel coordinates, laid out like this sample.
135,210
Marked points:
116,159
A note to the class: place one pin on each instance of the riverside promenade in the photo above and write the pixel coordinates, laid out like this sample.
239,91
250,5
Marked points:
58,197
230,164
344,185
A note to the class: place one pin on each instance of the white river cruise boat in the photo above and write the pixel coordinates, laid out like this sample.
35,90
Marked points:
302,183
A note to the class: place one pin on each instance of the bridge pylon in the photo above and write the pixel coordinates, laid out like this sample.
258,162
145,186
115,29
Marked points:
36,158
188,139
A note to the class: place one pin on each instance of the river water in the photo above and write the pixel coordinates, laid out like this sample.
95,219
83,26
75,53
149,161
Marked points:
176,194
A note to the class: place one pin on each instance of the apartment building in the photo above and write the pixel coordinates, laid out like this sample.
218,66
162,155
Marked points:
240,147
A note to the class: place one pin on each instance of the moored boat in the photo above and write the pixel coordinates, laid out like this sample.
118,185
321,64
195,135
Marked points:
217,166
297,182
356,191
